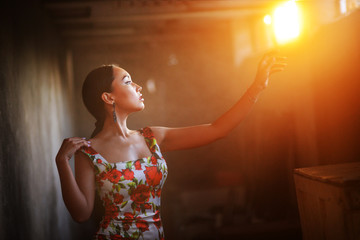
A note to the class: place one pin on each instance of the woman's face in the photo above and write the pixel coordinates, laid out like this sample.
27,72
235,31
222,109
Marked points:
125,92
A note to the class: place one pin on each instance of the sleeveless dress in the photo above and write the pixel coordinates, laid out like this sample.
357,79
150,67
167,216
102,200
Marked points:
130,192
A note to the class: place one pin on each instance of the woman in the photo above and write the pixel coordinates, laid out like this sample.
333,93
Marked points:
127,171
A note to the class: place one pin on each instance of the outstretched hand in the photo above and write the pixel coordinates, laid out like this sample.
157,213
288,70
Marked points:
269,64
69,147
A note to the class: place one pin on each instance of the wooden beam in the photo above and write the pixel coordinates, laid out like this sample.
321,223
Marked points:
97,32
223,14
116,40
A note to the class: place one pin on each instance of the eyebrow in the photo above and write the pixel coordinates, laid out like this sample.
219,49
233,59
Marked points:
127,75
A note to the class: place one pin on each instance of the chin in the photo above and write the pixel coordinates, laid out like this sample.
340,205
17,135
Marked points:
141,108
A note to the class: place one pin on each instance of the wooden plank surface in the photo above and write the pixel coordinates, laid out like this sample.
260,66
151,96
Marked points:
337,174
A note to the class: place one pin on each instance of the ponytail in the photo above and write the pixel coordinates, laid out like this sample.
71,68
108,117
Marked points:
96,83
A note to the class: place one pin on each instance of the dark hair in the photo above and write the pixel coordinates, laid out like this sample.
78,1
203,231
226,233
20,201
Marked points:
96,82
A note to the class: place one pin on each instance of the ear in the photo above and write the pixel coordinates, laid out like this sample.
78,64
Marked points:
107,98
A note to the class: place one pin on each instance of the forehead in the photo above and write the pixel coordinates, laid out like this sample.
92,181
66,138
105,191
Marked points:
120,72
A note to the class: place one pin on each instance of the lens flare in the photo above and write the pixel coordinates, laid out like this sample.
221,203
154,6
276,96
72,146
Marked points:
286,22
267,19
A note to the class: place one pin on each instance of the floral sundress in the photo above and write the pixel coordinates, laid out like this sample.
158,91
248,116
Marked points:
130,192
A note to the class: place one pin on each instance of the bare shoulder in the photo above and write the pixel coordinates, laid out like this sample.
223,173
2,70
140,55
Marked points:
81,158
159,133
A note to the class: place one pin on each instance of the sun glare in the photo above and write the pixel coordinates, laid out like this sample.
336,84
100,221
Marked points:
267,19
286,22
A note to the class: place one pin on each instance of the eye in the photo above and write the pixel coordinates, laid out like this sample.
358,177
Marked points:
127,80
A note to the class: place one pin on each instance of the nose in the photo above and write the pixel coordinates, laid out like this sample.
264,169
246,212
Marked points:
137,87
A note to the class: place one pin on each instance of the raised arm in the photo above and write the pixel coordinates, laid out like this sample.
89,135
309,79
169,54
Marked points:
78,192
181,138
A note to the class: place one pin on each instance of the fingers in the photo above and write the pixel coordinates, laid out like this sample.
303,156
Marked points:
271,55
269,64
281,58
270,60
277,68
82,142
275,62
276,59
279,65
70,146
71,139
76,142
80,145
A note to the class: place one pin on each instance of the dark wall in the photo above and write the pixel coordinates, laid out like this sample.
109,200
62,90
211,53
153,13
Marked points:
336,90
35,117
308,116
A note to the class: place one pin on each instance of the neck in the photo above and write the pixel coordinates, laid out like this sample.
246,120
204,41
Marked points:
118,128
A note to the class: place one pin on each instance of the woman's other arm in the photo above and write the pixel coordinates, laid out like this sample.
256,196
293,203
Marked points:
78,192
195,136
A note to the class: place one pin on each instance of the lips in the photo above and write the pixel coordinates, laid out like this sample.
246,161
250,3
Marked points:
141,98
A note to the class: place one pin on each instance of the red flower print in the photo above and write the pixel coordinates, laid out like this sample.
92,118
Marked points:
128,174
116,237
156,217
98,161
106,200
129,215
101,237
153,148
147,132
157,220
147,206
158,224
158,192
118,198
142,225
141,194
137,165
114,175
137,208
89,150
111,211
153,176
153,159
126,227
105,222
100,178
119,237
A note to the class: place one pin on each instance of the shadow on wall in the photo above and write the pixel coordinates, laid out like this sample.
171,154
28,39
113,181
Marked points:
35,115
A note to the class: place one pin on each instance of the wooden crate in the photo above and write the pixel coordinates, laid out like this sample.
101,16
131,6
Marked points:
329,201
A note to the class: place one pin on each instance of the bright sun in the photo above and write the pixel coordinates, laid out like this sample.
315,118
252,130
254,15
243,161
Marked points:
286,22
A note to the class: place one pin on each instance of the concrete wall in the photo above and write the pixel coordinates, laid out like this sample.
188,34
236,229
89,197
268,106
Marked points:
35,116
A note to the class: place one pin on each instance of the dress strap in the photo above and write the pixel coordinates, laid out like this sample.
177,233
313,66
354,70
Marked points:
89,152
150,139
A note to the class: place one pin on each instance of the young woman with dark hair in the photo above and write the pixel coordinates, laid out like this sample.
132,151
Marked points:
126,166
